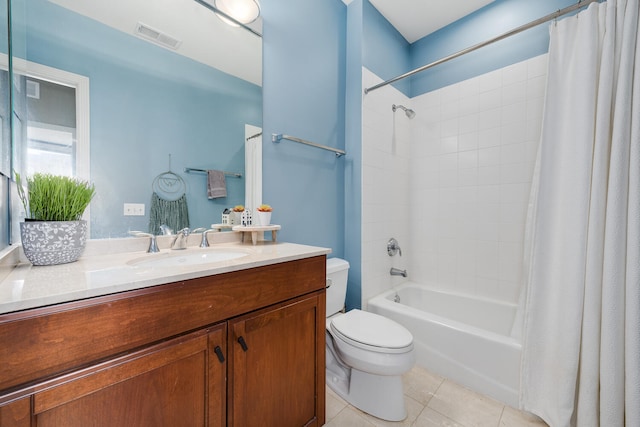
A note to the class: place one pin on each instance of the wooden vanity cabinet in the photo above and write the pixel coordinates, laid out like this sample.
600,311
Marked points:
274,359
238,349
180,382
16,414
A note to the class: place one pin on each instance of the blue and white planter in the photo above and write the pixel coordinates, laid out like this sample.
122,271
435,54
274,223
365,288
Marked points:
53,242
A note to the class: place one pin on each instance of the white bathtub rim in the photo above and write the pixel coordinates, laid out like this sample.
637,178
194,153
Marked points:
433,287
382,299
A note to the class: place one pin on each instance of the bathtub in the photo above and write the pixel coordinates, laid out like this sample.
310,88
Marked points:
460,337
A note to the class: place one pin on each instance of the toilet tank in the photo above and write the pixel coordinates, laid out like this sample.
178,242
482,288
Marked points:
337,273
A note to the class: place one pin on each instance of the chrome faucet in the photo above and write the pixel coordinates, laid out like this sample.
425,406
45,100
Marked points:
397,272
393,247
180,241
204,243
153,245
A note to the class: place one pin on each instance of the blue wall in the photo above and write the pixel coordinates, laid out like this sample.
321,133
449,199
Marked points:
304,86
385,51
490,21
388,54
174,105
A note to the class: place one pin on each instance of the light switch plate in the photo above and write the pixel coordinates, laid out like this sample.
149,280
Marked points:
134,209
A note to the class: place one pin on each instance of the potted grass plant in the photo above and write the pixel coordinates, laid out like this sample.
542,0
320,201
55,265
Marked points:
53,231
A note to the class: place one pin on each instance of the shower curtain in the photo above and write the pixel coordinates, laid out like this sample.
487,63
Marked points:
581,349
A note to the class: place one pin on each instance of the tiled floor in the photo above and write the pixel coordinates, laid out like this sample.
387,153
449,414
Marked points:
433,401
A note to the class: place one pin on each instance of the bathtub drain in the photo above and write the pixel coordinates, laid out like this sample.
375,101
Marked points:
396,298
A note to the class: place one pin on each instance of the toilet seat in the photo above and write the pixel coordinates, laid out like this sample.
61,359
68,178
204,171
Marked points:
372,332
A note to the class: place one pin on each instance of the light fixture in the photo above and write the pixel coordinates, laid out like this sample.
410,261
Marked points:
243,11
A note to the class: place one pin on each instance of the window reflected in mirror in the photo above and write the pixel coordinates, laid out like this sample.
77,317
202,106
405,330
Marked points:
5,135
51,128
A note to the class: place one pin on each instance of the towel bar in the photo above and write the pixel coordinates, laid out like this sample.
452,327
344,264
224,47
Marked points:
277,137
191,170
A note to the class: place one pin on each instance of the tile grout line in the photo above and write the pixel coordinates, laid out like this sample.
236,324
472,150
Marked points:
501,415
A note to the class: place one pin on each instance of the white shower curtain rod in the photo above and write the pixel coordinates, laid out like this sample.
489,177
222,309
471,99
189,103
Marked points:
520,29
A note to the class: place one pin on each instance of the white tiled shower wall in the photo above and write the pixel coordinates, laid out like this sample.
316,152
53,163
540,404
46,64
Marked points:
386,151
453,184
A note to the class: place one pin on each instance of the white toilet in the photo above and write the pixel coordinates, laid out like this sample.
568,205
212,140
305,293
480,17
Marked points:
366,353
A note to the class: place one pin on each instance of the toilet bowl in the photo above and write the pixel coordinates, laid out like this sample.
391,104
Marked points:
366,353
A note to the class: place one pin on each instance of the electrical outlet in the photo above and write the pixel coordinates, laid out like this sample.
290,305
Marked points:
134,209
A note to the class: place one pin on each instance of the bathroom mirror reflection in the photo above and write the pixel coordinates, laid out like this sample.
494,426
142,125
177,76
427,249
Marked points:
5,136
124,91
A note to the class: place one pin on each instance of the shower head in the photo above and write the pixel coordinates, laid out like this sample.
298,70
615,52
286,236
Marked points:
408,111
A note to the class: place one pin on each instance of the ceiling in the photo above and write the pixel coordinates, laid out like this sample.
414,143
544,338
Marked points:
207,39
415,19
204,36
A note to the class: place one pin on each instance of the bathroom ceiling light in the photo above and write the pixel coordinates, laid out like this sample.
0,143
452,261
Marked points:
243,11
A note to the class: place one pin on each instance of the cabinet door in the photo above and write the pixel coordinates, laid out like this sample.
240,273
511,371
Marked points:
277,373
180,382
217,377
16,414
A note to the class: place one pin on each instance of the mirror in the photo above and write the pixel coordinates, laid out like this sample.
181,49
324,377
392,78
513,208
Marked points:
5,116
156,87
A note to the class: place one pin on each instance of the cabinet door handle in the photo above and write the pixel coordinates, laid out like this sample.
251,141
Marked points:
243,344
218,352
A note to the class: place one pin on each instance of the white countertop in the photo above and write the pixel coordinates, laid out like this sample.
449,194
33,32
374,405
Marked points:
27,286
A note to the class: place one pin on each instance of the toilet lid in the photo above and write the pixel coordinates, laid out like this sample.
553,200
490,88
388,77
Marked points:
372,329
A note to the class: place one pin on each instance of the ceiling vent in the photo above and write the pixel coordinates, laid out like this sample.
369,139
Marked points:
156,36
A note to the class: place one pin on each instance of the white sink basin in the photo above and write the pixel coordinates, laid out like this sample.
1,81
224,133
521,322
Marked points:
186,258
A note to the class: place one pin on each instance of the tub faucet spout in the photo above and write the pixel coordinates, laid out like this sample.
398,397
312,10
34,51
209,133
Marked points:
397,272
